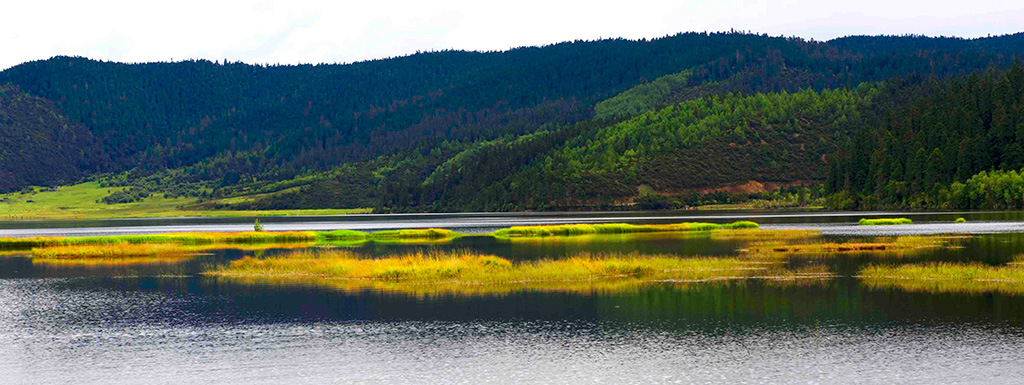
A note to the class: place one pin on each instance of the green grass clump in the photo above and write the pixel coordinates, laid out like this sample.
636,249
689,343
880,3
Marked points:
342,235
947,277
960,220
415,234
612,228
884,221
741,225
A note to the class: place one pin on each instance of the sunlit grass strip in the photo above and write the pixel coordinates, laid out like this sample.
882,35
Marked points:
258,237
121,254
884,221
889,246
138,253
114,261
342,235
415,234
613,228
119,250
946,277
604,238
250,246
759,234
180,238
478,273
390,236
110,250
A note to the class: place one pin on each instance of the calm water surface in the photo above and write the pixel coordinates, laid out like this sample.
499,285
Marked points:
164,323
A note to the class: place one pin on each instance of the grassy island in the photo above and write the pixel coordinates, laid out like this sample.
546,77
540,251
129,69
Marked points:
884,221
265,237
247,237
947,277
462,272
615,228
889,246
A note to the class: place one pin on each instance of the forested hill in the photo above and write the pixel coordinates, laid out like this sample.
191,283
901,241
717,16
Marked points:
956,144
404,133
40,146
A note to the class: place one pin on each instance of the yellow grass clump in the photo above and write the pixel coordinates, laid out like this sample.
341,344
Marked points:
946,277
138,253
463,272
114,261
112,254
759,234
613,228
196,238
415,234
897,246
119,250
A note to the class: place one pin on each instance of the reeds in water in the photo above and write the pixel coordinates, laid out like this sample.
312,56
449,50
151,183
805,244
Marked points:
119,250
400,235
342,235
884,221
178,238
416,234
468,272
614,228
897,246
947,277
759,234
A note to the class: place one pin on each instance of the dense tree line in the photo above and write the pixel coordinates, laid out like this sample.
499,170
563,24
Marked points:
928,145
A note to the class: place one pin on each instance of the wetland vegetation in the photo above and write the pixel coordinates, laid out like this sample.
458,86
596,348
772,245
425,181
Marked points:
257,237
465,272
889,246
948,277
615,228
759,254
884,221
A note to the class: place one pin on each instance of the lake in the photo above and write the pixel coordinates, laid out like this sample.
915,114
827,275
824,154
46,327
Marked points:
166,323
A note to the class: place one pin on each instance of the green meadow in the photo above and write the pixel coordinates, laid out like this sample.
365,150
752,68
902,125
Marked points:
83,201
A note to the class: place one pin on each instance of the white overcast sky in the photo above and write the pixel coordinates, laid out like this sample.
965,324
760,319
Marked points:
311,31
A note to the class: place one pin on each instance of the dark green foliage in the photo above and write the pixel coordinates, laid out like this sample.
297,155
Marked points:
929,145
39,146
174,114
515,130
697,144
642,98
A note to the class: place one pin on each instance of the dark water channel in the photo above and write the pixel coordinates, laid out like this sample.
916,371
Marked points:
165,323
